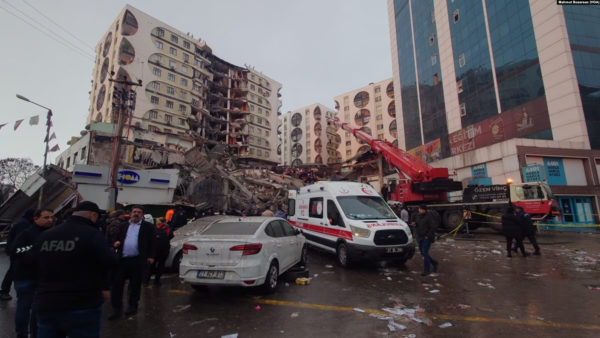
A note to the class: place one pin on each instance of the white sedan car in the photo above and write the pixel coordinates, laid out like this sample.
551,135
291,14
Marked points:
243,251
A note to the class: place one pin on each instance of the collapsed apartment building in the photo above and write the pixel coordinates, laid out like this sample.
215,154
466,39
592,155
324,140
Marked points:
181,107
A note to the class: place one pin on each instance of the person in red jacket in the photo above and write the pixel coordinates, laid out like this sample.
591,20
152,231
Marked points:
164,234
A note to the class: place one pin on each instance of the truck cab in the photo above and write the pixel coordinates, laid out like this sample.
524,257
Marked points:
351,220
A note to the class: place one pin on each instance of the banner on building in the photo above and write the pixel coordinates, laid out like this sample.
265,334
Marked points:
527,119
428,152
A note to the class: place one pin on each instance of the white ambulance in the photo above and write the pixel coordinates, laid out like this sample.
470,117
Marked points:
351,220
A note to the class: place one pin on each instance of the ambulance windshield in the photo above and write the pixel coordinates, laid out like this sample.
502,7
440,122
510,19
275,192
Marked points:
365,207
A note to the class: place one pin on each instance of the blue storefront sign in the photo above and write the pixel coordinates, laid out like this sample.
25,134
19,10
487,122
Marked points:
555,171
533,173
479,174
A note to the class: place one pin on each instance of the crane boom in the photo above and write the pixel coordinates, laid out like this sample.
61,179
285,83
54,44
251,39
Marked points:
423,177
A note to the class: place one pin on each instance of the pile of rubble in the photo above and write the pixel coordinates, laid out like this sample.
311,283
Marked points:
215,180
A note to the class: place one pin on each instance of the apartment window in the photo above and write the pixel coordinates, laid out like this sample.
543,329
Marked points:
156,71
168,118
433,59
251,107
168,131
377,98
348,143
380,136
251,129
171,77
377,89
157,58
259,152
174,38
153,114
156,85
181,122
346,108
182,108
266,154
459,86
252,87
186,57
259,120
171,64
184,82
158,44
380,127
463,109
169,105
259,131
171,90
259,141
74,157
152,128
195,102
461,60
83,153
183,94
379,117
260,100
251,118
197,62
436,79
186,44
456,15
173,51
160,32
195,87
184,69
68,162
251,151
348,152
259,110
154,99
266,133
267,112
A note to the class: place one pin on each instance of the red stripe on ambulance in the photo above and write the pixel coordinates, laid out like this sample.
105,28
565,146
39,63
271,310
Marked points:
345,234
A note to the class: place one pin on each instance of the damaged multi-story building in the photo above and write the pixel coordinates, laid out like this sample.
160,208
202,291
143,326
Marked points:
185,97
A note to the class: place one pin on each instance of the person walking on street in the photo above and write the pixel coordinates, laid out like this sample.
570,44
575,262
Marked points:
404,215
384,192
25,270
164,234
426,226
511,229
135,249
528,228
72,276
16,228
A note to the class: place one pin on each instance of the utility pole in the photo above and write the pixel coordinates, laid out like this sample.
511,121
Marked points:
46,140
124,103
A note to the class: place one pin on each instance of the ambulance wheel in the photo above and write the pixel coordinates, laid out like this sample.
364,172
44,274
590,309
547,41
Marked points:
343,257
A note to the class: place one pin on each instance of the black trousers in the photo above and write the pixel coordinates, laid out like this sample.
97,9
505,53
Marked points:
132,269
533,241
158,267
519,244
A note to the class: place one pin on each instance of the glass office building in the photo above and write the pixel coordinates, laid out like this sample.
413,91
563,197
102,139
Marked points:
490,87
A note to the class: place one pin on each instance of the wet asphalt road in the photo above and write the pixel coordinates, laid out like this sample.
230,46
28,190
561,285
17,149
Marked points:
478,290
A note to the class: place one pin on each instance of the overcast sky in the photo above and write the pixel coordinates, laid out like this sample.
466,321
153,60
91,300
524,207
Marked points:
317,49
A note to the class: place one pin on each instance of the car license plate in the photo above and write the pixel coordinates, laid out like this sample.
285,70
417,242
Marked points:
393,250
211,274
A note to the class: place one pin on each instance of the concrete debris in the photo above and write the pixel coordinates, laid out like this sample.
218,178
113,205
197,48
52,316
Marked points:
171,334
434,291
328,266
202,321
497,252
232,335
488,285
358,310
393,326
294,315
463,306
445,325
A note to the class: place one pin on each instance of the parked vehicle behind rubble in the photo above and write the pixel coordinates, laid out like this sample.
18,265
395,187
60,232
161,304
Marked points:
242,251
351,220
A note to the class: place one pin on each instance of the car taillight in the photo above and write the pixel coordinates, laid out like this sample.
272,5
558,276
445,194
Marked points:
248,249
188,247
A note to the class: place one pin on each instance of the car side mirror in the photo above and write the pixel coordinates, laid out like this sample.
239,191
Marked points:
297,232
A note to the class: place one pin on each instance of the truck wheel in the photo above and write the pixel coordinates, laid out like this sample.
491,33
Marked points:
272,278
452,219
495,221
343,257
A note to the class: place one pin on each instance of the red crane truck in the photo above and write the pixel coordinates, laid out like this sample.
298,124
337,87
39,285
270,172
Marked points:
420,183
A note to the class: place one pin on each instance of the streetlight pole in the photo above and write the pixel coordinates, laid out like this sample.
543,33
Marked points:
46,140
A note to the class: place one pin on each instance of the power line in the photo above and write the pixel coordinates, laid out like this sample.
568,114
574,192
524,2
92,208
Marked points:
64,43
59,26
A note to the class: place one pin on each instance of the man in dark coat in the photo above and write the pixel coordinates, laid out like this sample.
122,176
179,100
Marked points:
16,228
164,234
135,249
426,226
511,228
528,228
72,275
25,273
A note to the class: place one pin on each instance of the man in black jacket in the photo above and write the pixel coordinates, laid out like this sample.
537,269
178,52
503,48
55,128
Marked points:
136,249
511,228
73,262
25,268
426,225
16,228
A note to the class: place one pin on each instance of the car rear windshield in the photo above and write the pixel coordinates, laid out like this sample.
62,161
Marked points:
233,228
